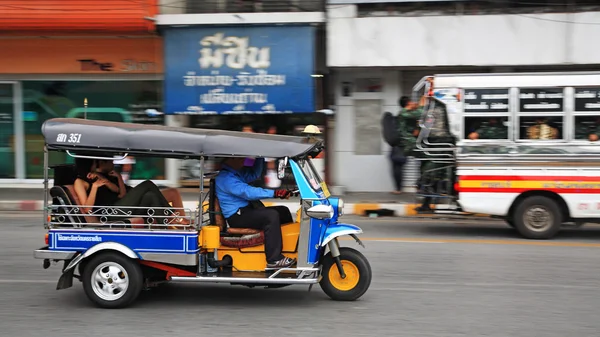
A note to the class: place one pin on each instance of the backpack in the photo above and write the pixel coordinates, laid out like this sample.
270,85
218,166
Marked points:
389,126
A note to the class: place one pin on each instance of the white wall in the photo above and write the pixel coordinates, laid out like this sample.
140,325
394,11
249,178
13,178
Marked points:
476,40
370,172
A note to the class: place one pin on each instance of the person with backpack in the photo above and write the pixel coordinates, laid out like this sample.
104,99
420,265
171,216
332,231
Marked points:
401,134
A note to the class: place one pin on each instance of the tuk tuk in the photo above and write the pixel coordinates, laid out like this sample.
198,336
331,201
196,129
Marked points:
118,254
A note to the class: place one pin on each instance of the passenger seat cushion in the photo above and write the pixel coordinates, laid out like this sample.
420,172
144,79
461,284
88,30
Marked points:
73,195
244,241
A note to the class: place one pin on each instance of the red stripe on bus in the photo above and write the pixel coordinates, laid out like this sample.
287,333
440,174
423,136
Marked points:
531,178
521,190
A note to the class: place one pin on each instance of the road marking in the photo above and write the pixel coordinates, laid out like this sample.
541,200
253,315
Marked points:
495,285
524,242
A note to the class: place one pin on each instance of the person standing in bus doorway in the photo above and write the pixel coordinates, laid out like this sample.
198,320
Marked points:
408,130
492,129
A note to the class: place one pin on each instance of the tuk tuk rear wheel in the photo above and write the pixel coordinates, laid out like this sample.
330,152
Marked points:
357,280
111,280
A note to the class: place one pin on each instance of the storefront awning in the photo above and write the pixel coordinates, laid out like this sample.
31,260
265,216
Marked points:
77,16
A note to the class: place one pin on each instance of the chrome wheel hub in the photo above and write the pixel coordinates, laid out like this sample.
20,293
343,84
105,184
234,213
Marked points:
109,281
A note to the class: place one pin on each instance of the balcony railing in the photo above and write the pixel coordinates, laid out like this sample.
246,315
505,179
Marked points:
472,7
253,6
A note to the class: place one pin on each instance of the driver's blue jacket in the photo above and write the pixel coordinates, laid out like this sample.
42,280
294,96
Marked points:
233,191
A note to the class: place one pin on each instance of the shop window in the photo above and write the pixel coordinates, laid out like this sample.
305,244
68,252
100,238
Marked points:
7,149
283,124
123,101
484,128
541,115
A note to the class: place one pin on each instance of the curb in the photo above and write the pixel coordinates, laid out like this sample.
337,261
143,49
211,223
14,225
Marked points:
363,209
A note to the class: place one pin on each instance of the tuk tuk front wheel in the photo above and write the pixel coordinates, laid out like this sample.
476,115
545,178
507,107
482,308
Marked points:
111,280
357,280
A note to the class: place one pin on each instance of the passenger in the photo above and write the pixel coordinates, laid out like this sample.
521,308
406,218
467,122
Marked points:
235,198
492,129
408,123
408,130
590,131
408,127
541,130
95,189
105,168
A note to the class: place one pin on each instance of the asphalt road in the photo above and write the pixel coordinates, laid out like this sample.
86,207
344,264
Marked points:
430,279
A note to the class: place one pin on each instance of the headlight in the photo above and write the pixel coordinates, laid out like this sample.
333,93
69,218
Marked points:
340,206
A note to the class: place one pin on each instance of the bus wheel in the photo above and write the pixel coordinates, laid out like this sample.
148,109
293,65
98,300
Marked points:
538,217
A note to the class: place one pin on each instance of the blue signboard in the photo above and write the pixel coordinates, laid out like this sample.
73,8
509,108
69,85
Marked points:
239,70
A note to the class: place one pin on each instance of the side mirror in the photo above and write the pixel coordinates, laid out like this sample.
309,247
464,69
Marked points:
281,168
320,212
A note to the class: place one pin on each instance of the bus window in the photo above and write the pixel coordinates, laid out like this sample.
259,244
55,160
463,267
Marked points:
587,128
491,127
541,127
541,113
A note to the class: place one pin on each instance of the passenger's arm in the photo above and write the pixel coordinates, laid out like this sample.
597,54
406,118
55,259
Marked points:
246,191
114,188
122,188
87,200
251,174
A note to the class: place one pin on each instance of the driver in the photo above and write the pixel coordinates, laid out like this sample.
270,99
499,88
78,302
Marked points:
236,198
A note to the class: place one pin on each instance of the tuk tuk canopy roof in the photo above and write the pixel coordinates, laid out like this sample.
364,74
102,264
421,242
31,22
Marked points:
76,134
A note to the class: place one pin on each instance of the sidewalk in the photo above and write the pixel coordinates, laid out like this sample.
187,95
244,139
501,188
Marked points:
31,199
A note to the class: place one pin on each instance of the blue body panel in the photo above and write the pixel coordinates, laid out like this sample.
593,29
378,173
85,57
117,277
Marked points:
161,242
317,227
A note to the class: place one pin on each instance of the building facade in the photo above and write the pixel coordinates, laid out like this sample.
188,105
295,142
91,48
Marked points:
52,60
378,51
129,58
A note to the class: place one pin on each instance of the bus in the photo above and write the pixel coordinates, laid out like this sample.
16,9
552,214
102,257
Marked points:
521,146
